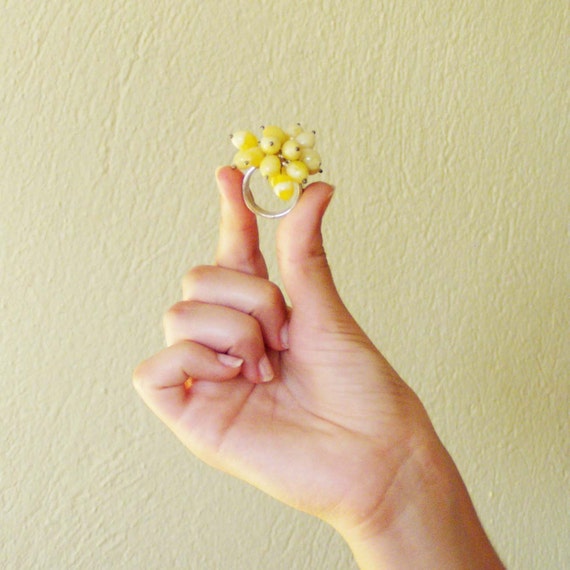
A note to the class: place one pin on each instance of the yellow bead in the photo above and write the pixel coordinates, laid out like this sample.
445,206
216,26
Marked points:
291,150
285,193
243,140
241,160
270,166
245,159
273,131
270,145
298,171
283,186
256,155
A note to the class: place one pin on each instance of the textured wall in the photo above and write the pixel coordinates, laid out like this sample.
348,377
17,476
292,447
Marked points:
444,126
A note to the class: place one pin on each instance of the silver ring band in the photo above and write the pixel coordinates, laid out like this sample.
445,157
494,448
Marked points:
256,209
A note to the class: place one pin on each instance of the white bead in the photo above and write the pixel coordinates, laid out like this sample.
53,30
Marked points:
312,159
306,139
294,130
298,171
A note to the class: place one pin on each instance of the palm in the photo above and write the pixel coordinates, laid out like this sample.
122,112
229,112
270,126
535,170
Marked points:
335,397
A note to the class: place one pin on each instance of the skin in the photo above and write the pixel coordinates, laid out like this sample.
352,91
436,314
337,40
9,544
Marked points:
298,401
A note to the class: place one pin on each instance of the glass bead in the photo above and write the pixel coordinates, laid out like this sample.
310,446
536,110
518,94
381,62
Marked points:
243,140
306,139
291,150
270,165
283,186
294,130
298,171
270,145
312,159
273,131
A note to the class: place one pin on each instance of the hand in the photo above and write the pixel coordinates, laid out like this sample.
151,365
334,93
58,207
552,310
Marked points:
296,401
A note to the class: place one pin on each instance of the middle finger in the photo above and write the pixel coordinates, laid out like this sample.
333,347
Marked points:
249,294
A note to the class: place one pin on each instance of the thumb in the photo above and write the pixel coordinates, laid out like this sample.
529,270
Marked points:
302,260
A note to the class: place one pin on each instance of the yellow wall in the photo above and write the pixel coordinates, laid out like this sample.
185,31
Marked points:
443,125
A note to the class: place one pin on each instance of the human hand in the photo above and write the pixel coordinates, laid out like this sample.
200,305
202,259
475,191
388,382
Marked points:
327,426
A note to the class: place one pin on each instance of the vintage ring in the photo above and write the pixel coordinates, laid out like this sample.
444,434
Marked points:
285,159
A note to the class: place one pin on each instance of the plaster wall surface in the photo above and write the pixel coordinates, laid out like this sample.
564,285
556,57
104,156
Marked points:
444,127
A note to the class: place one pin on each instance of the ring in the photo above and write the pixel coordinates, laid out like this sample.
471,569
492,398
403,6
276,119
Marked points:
285,158
256,208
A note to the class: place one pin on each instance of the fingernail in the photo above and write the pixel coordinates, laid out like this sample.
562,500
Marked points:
285,335
229,360
265,369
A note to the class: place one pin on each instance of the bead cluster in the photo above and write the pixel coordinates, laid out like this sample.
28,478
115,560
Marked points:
285,157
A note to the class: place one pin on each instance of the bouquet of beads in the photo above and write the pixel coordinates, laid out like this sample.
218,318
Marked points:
285,157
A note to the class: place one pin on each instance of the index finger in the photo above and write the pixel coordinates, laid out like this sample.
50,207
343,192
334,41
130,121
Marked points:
238,245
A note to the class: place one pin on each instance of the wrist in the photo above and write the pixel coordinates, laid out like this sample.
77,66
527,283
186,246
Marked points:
425,520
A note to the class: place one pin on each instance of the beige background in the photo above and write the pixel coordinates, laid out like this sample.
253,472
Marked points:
444,126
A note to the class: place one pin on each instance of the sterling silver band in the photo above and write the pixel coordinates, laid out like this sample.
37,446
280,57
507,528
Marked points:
256,209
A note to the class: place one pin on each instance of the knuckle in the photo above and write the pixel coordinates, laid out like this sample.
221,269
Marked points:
177,312
194,278
179,308
271,296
